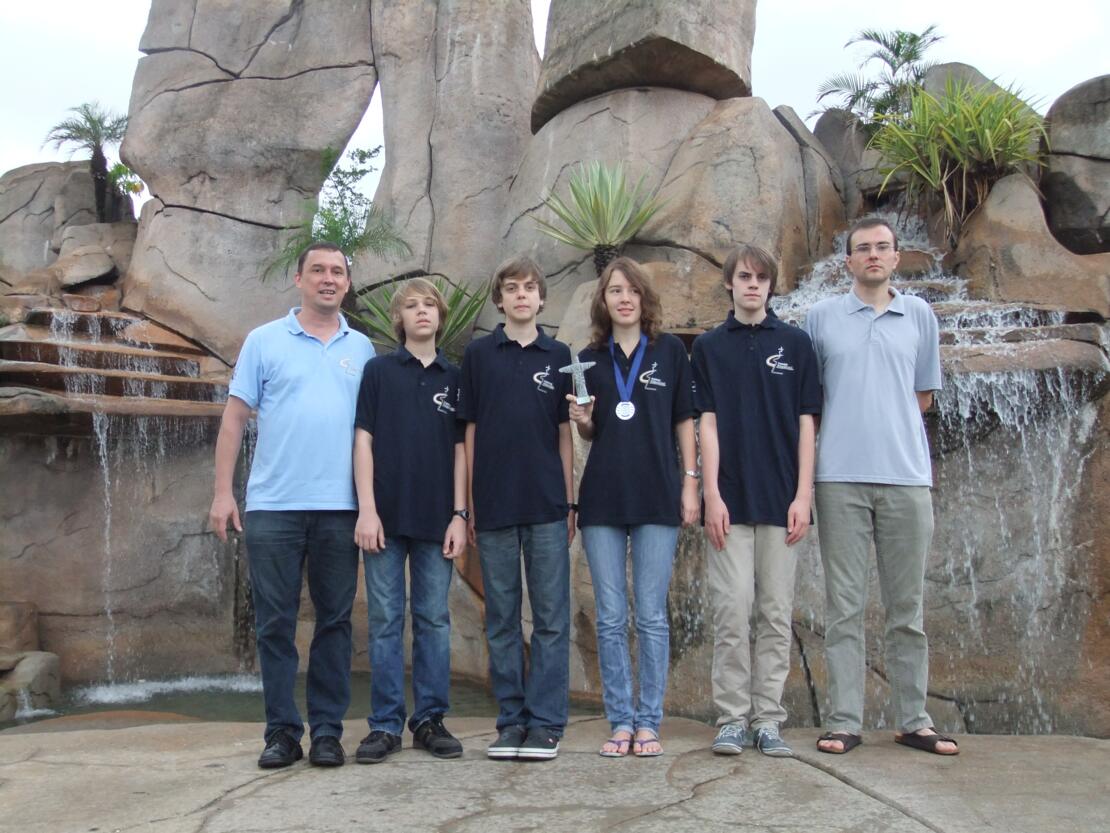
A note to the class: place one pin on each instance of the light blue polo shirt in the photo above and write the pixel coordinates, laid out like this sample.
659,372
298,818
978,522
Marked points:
305,393
871,366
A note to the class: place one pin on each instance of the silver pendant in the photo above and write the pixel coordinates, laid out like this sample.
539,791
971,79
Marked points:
625,410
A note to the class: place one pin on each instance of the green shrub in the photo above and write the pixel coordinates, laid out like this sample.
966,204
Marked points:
951,150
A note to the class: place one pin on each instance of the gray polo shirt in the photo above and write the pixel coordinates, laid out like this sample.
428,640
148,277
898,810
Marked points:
871,365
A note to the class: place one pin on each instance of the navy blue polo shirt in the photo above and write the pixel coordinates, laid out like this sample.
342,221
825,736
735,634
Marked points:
516,397
633,474
411,413
758,379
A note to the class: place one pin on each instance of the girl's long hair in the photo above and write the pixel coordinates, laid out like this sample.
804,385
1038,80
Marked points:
651,308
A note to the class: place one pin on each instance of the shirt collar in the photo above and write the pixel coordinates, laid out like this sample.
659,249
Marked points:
294,326
770,322
403,354
543,340
897,303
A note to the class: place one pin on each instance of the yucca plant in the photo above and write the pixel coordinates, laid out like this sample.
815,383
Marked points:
602,213
951,150
463,307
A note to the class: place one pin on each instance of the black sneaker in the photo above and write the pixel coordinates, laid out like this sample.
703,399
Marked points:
540,745
376,746
326,751
508,742
281,750
433,736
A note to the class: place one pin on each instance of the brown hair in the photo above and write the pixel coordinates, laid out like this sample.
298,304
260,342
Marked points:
651,308
758,257
520,266
421,288
866,223
322,246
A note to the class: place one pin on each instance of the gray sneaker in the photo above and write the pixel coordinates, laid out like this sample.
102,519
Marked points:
731,739
770,742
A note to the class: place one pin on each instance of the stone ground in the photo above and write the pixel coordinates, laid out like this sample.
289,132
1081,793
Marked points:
102,773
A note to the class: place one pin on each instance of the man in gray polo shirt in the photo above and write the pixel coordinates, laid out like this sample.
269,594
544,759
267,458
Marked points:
879,356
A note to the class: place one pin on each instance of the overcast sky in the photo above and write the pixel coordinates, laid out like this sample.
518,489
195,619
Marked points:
59,53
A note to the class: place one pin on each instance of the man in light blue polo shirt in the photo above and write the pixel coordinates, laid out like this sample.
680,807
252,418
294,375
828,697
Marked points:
301,373
879,355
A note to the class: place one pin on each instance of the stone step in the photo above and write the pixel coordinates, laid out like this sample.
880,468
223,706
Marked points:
1089,333
83,381
933,291
981,315
119,326
1050,355
48,413
109,356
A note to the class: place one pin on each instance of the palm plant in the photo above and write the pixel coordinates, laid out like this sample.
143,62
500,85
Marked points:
951,150
91,129
463,307
603,213
901,55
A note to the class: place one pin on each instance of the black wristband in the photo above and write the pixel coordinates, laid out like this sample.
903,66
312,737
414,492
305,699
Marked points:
573,507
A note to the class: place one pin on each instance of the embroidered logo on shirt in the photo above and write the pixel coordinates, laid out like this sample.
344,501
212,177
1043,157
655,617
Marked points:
542,385
345,363
442,405
777,365
647,378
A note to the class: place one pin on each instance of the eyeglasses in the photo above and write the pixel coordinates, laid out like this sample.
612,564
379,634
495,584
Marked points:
880,248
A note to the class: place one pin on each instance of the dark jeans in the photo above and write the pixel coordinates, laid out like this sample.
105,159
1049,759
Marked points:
279,546
538,698
430,577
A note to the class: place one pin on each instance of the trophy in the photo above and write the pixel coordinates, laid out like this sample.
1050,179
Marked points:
577,370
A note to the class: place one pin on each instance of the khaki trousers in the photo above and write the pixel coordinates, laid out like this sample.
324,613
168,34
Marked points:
899,519
755,567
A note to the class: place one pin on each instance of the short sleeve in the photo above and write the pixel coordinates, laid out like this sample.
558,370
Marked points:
926,372
703,388
366,407
682,407
811,398
246,381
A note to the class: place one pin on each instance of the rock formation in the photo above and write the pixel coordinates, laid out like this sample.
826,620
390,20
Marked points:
1007,253
1076,183
457,79
38,203
701,47
233,112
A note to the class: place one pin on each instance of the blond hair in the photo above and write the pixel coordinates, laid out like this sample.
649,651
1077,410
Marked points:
416,288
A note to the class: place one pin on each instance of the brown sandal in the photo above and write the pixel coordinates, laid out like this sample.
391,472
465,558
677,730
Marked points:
847,741
926,743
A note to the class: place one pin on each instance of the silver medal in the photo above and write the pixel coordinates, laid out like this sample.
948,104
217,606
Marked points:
625,410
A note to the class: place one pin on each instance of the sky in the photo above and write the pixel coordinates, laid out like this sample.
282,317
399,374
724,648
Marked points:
57,54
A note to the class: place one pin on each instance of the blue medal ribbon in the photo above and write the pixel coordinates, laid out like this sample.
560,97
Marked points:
625,386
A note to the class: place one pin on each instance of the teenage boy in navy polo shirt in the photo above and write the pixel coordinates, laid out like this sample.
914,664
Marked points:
757,391
519,456
410,475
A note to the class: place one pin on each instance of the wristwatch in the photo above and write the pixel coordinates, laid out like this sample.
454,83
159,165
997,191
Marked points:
462,513
572,507
692,473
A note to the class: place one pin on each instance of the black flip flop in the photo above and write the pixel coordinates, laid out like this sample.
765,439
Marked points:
927,743
848,741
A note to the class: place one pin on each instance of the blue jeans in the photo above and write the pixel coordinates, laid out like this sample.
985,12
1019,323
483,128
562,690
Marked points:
280,546
430,575
537,698
652,560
